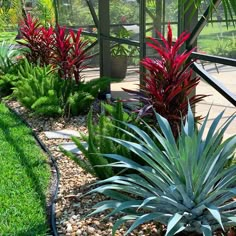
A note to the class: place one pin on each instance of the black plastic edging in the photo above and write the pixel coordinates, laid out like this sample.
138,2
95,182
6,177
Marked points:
52,219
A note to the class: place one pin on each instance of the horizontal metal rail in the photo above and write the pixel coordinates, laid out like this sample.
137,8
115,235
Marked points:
219,87
214,59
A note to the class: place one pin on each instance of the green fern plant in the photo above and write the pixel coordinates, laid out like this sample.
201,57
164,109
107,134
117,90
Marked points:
48,105
6,84
38,89
187,185
79,102
44,92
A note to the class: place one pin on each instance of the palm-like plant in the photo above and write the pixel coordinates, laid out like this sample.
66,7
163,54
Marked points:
45,12
187,185
228,5
9,14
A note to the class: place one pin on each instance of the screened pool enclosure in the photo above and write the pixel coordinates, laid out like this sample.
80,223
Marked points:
122,27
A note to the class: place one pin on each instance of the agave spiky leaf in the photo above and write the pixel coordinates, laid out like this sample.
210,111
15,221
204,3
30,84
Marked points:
186,184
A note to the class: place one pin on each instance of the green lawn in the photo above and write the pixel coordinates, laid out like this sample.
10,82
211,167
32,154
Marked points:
217,39
24,178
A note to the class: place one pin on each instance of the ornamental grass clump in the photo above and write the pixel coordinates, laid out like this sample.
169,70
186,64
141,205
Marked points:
169,82
186,185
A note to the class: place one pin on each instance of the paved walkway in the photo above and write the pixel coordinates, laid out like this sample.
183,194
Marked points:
226,75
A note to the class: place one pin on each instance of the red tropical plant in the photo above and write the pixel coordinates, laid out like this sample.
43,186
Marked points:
48,46
169,82
38,39
70,53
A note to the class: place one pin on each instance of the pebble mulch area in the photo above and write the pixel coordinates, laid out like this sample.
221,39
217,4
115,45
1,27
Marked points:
70,206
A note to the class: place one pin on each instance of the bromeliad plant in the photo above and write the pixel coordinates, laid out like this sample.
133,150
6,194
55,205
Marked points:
168,83
187,185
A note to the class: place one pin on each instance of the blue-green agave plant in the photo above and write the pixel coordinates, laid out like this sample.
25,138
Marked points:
186,185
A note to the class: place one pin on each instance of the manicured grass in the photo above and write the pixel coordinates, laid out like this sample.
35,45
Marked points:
24,178
216,37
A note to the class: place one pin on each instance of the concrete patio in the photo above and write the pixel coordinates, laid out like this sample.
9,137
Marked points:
226,75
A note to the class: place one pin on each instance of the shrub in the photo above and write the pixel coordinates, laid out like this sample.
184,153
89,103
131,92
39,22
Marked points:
98,143
8,54
64,51
8,79
187,186
38,40
83,94
69,54
43,91
6,84
168,83
39,89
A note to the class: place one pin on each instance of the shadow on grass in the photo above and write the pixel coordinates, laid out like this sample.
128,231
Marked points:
213,36
31,231
8,122
23,159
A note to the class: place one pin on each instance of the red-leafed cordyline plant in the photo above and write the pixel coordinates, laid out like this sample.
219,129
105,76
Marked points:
64,51
168,83
70,54
38,39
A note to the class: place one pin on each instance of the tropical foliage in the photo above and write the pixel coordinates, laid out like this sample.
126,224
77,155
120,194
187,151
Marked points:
186,186
169,81
69,54
109,124
36,84
37,39
42,90
10,13
45,12
229,6
8,54
9,65
66,52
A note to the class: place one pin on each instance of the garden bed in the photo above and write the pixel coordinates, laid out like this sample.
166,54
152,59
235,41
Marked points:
70,205
74,181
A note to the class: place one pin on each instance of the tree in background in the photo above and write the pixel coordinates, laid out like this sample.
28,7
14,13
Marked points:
9,14
44,11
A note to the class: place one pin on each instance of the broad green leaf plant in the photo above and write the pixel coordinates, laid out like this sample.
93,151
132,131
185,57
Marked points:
186,185
8,54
